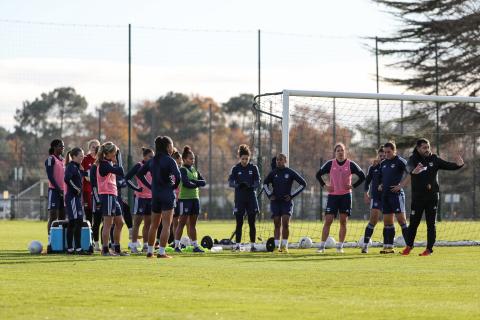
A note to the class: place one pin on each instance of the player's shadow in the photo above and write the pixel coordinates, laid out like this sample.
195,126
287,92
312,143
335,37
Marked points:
12,257
304,257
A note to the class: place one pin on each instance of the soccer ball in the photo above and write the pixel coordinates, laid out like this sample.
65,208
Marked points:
184,241
35,247
400,241
361,243
330,243
305,243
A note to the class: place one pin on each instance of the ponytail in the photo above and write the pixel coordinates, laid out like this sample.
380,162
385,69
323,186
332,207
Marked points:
72,153
162,143
104,149
186,152
243,150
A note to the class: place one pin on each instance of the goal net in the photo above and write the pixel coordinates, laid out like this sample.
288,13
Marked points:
305,125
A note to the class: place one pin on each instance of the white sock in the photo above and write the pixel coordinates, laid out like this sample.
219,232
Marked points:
195,244
322,244
161,250
177,243
150,249
277,242
285,243
252,244
339,245
70,250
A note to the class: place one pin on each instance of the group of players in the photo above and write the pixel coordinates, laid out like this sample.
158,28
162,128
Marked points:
167,195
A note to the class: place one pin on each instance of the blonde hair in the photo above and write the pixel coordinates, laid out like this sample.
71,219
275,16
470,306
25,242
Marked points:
90,142
106,148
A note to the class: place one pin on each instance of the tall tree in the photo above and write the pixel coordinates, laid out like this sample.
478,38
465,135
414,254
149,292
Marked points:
438,40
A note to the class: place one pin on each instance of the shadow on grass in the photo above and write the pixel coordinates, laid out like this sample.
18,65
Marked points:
12,257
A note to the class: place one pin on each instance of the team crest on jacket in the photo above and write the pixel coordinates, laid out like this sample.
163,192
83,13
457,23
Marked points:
250,172
287,175
430,164
392,165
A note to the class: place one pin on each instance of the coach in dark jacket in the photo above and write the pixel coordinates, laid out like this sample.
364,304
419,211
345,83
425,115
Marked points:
423,167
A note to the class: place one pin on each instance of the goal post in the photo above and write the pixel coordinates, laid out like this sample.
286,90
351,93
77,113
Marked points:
286,94
305,125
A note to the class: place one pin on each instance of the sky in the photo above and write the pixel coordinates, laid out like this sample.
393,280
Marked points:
209,48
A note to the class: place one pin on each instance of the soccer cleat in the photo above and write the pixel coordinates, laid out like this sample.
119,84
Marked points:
178,250
198,250
340,250
283,250
97,247
321,250
122,254
406,251
253,249
70,253
426,253
236,249
134,250
387,251
145,248
364,249
163,256
149,255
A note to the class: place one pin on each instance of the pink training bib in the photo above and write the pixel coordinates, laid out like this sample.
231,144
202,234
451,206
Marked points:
146,193
340,177
107,184
58,171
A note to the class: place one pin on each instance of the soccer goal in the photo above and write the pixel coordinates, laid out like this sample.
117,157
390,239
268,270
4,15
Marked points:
305,125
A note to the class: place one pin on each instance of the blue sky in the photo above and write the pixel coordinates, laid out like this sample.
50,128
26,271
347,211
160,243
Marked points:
196,47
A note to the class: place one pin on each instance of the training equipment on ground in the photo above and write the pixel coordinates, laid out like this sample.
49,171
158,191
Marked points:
399,241
305,125
58,237
361,242
207,242
35,247
185,241
330,243
305,243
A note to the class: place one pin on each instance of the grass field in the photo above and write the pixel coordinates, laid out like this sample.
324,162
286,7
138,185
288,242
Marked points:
299,285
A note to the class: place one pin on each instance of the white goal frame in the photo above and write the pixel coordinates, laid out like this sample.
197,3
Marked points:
286,94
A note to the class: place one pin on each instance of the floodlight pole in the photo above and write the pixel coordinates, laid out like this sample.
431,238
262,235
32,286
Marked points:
129,158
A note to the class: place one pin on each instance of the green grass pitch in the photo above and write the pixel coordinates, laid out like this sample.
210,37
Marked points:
298,285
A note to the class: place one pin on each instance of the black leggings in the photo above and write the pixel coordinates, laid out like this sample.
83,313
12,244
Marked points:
127,215
74,231
251,224
97,220
427,204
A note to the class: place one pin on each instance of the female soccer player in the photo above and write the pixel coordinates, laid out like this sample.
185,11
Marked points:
107,172
423,166
340,171
142,208
55,172
373,197
96,205
245,178
87,162
189,199
281,198
73,199
393,178
162,167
